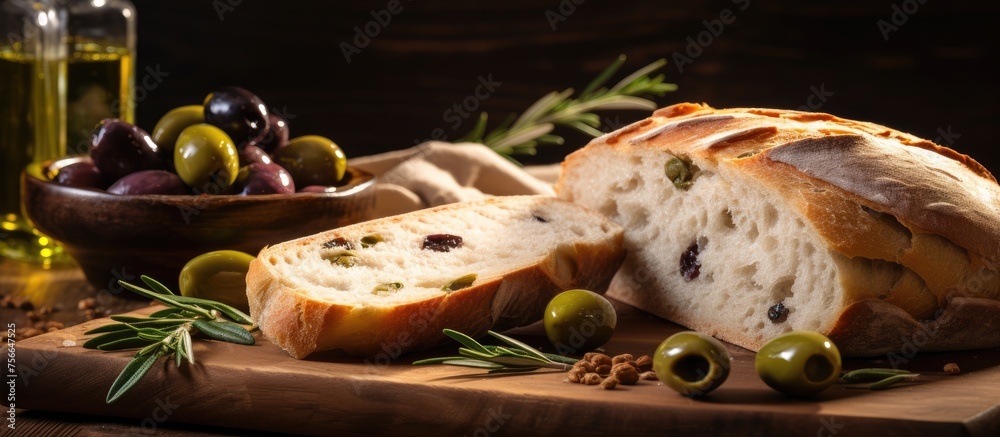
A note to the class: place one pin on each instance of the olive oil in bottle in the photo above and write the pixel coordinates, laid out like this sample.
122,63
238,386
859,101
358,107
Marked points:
64,66
97,87
32,65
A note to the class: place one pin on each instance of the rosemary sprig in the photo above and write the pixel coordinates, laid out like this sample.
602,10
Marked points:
515,357
879,378
166,332
521,135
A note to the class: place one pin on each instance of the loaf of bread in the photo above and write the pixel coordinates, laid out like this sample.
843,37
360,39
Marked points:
391,285
746,223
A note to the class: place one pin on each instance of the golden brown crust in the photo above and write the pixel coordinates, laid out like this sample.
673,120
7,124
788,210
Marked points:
872,327
302,325
887,200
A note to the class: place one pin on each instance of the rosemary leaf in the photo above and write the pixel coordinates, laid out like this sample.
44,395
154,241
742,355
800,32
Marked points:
96,342
187,347
476,354
166,312
519,361
157,286
869,375
499,131
438,360
605,75
514,369
518,135
178,356
147,322
151,334
132,373
233,313
224,331
515,357
125,343
110,327
467,341
584,128
166,331
524,134
520,345
540,108
477,130
561,359
465,362
638,74
892,380
165,299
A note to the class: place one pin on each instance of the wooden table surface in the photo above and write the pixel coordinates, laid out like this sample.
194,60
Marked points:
261,389
62,288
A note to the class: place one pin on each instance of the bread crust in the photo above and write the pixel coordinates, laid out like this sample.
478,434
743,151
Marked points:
875,195
302,325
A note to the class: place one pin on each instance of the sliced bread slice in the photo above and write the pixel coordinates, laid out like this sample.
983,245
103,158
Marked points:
392,285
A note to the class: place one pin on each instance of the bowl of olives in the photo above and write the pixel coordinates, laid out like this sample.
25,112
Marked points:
217,176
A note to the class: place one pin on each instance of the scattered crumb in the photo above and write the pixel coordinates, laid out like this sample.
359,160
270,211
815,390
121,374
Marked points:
952,369
68,343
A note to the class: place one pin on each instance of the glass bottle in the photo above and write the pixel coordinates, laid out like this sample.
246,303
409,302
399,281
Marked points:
32,113
101,38
64,66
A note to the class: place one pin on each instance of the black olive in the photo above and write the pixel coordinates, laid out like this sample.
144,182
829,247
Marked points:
690,267
777,313
338,242
442,242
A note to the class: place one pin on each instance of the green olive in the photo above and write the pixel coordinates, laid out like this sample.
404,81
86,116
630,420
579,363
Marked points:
206,159
169,127
799,363
219,276
692,363
312,160
578,321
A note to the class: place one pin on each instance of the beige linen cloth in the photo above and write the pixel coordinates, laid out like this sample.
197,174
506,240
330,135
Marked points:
436,173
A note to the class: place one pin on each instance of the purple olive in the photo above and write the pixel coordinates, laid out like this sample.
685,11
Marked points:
252,154
149,182
119,148
83,174
239,113
276,136
261,178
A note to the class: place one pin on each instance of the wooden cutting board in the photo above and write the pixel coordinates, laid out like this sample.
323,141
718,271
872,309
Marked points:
261,388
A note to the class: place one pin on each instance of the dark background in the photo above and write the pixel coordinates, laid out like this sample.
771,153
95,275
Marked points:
937,72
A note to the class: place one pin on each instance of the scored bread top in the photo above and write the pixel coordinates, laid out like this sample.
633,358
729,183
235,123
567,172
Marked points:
927,187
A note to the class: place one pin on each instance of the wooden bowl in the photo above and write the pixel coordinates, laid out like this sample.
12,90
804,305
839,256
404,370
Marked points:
116,237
